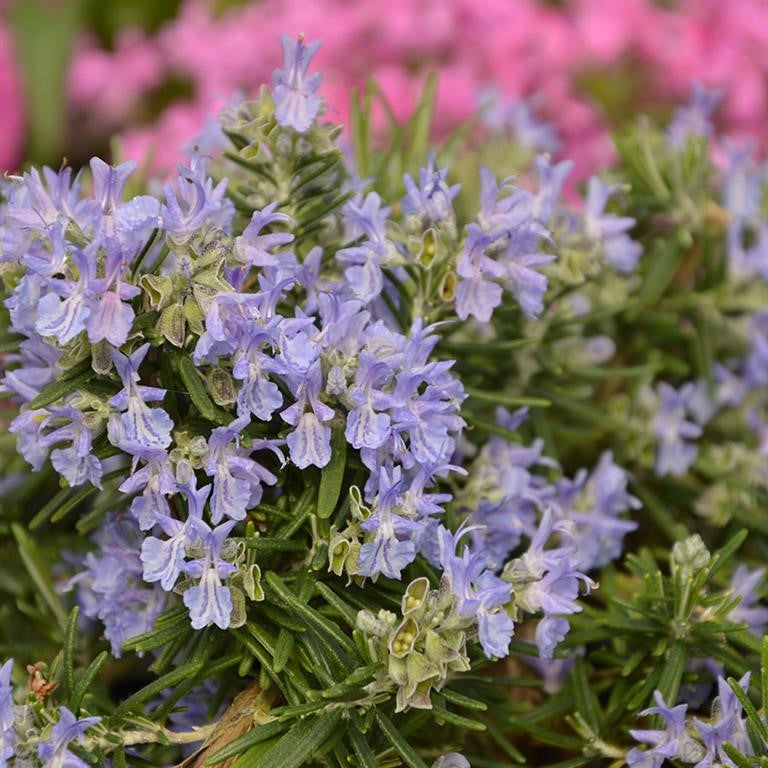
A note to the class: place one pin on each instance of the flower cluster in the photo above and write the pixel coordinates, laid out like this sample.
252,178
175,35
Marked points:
335,450
698,742
21,738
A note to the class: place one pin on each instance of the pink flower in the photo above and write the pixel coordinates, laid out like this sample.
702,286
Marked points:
11,107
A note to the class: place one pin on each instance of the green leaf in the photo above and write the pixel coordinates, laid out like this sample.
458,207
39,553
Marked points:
332,475
195,386
38,571
463,701
446,716
586,703
86,681
738,758
68,653
167,627
348,614
283,648
395,738
672,671
509,400
180,674
366,757
118,758
730,548
664,264
44,35
60,388
422,122
309,615
749,709
239,745
304,741
502,742
764,672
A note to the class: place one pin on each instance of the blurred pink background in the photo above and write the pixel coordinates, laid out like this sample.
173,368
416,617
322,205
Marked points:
588,65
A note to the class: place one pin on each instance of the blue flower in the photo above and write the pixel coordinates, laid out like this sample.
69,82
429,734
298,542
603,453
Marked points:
237,479
256,249
368,425
550,631
76,464
367,218
727,726
480,594
745,585
513,232
364,276
310,442
7,715
594,504
55,752
547,580
164,559
619,250
156,481
63,311
138,427
209,601
551,179
296,101
694,119
674,432
110,317
479,293
195,202
665,744
111,587
432,198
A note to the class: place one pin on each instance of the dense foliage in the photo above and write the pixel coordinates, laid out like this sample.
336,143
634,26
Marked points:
339,466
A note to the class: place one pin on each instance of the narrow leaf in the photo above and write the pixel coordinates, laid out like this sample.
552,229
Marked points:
332,476
301,743
395,738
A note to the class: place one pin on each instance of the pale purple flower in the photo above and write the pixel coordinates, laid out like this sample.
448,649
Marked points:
478,293
364,274
432,198
674,432
619,250
156,481
55,752
63,311
138,427
479,593
76,464
195,201
296,101
366,217
255,248
551,179
667,743
209,601
7,715
310,442
237,478
110,587
111,317
164,559
746,584
695,118
726,727
368,424
594,505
